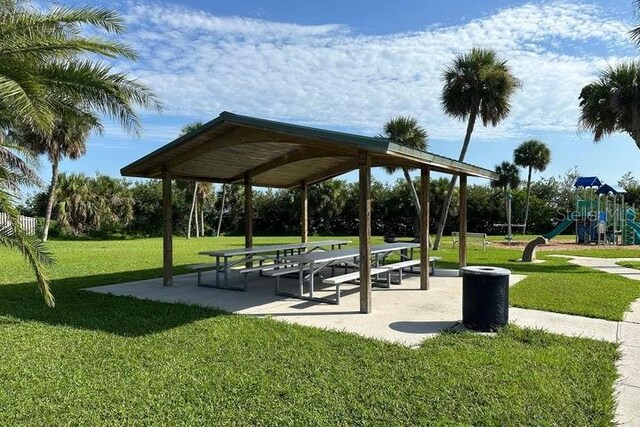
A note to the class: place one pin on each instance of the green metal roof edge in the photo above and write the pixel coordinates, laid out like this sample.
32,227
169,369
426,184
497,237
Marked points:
358,141
367,143
173,143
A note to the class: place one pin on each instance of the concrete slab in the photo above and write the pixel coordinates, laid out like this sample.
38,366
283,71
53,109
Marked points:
629,335
629,367
403,314
565,324
633,315
628,410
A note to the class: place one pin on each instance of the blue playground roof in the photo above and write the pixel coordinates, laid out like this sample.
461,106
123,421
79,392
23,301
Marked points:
607,189
587,181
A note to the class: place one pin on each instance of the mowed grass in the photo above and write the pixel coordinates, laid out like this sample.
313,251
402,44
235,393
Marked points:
630,264
103,360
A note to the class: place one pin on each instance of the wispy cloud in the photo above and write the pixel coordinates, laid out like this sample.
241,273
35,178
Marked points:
328,75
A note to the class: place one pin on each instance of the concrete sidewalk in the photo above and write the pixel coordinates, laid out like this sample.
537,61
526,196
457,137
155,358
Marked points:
628,335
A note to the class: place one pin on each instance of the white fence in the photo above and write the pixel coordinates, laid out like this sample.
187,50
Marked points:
28,223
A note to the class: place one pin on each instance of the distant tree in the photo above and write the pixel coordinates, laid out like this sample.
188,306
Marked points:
477,84
508,177
531,154
612,103
630,184
406,131
628,180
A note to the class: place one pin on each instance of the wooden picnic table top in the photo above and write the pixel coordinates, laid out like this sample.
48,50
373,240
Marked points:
272,248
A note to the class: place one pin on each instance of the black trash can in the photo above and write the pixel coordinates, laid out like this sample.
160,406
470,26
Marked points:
485,297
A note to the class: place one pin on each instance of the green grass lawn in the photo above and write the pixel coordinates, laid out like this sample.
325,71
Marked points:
630,264
102,360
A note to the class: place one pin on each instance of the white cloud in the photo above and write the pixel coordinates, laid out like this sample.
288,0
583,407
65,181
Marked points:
327,75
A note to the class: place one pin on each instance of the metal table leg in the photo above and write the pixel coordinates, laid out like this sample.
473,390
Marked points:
226,271
217,271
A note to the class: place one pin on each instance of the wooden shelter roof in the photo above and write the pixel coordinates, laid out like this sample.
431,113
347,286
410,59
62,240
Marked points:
281,155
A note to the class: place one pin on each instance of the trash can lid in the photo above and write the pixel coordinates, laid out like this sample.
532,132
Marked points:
485,270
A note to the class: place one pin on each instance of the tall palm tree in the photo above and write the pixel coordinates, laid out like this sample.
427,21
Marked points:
187,129
49,70
205,195
67,139
14,171
223,199
406,131
477,84
508,179
612,103
531,154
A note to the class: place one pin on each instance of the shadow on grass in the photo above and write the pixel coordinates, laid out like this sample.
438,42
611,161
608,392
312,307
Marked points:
125,316
558,266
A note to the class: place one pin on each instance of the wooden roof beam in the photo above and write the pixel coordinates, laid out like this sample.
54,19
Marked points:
296,156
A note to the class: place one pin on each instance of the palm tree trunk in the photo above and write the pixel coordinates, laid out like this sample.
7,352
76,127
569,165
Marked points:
412,190
416,200
193,206
526,203
195,214
202,219
50,198
454,178
224,194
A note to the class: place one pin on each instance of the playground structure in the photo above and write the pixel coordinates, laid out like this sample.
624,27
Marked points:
601,217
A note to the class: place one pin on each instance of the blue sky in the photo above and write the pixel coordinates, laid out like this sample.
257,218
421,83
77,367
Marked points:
352,65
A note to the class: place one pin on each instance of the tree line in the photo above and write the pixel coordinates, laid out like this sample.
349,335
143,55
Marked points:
106,207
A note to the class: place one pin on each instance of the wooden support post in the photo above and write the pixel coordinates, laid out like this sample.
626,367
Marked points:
304,213
462,242
365,232
424,228
167,229
248,215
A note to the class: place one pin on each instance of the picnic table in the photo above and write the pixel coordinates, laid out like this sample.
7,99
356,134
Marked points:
310,263
224,257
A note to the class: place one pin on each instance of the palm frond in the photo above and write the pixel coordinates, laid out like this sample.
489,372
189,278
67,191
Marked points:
34,251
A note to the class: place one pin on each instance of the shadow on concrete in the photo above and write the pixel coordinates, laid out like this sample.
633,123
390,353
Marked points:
426,327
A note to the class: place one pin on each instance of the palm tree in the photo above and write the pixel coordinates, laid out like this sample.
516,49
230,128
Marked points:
44,68
477,84
67,139
187,129
49,71
205,194
406,131
531,154
222,201
14,171
612,103
634,34
508,177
